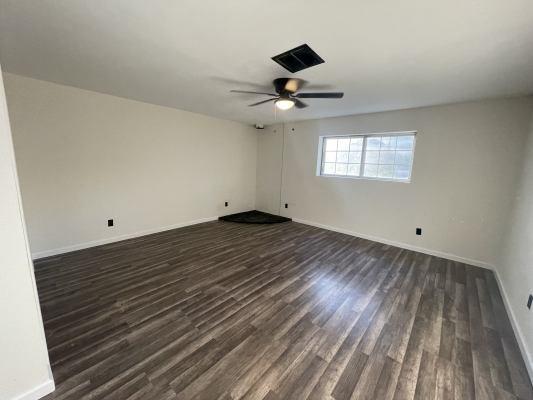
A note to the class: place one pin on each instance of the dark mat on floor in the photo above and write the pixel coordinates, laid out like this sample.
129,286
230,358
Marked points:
254,217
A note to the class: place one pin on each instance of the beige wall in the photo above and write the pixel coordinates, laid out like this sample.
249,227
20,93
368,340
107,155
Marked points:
24,366
84,157
465,167
516,265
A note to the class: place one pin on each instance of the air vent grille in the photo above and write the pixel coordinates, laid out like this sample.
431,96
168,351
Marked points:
299,58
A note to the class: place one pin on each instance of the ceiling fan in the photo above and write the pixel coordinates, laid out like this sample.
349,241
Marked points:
287,95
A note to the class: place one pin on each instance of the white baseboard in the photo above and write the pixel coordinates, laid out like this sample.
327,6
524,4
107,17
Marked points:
406,246
516,328
86,245
40,391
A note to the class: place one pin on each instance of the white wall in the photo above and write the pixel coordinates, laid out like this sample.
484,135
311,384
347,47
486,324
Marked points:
24,365
515,268
84,157
466,162
269,162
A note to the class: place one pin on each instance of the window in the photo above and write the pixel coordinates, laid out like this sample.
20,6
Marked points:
381,156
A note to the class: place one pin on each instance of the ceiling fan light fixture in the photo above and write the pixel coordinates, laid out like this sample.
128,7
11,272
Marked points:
284,104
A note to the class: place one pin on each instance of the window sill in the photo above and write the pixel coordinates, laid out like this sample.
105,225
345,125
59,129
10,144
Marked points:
364,178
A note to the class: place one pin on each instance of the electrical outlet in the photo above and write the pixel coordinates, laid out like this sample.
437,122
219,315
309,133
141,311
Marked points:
286,205
529,301
226,204
419,231
109,222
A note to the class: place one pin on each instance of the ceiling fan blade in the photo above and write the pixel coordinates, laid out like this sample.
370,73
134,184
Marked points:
299,103
261,102
290,85
330,95
246,91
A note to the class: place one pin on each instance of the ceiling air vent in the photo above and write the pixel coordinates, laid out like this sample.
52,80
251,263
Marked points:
299,58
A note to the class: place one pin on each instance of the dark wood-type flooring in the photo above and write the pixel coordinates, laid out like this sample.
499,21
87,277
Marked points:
229,311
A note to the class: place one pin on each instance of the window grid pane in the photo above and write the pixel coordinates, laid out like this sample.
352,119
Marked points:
387,157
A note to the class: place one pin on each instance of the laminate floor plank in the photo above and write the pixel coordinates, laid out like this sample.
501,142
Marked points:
233,311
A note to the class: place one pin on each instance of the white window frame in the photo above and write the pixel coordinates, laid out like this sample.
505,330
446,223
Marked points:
322,151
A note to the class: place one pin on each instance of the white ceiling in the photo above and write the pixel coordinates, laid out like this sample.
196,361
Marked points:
188,54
